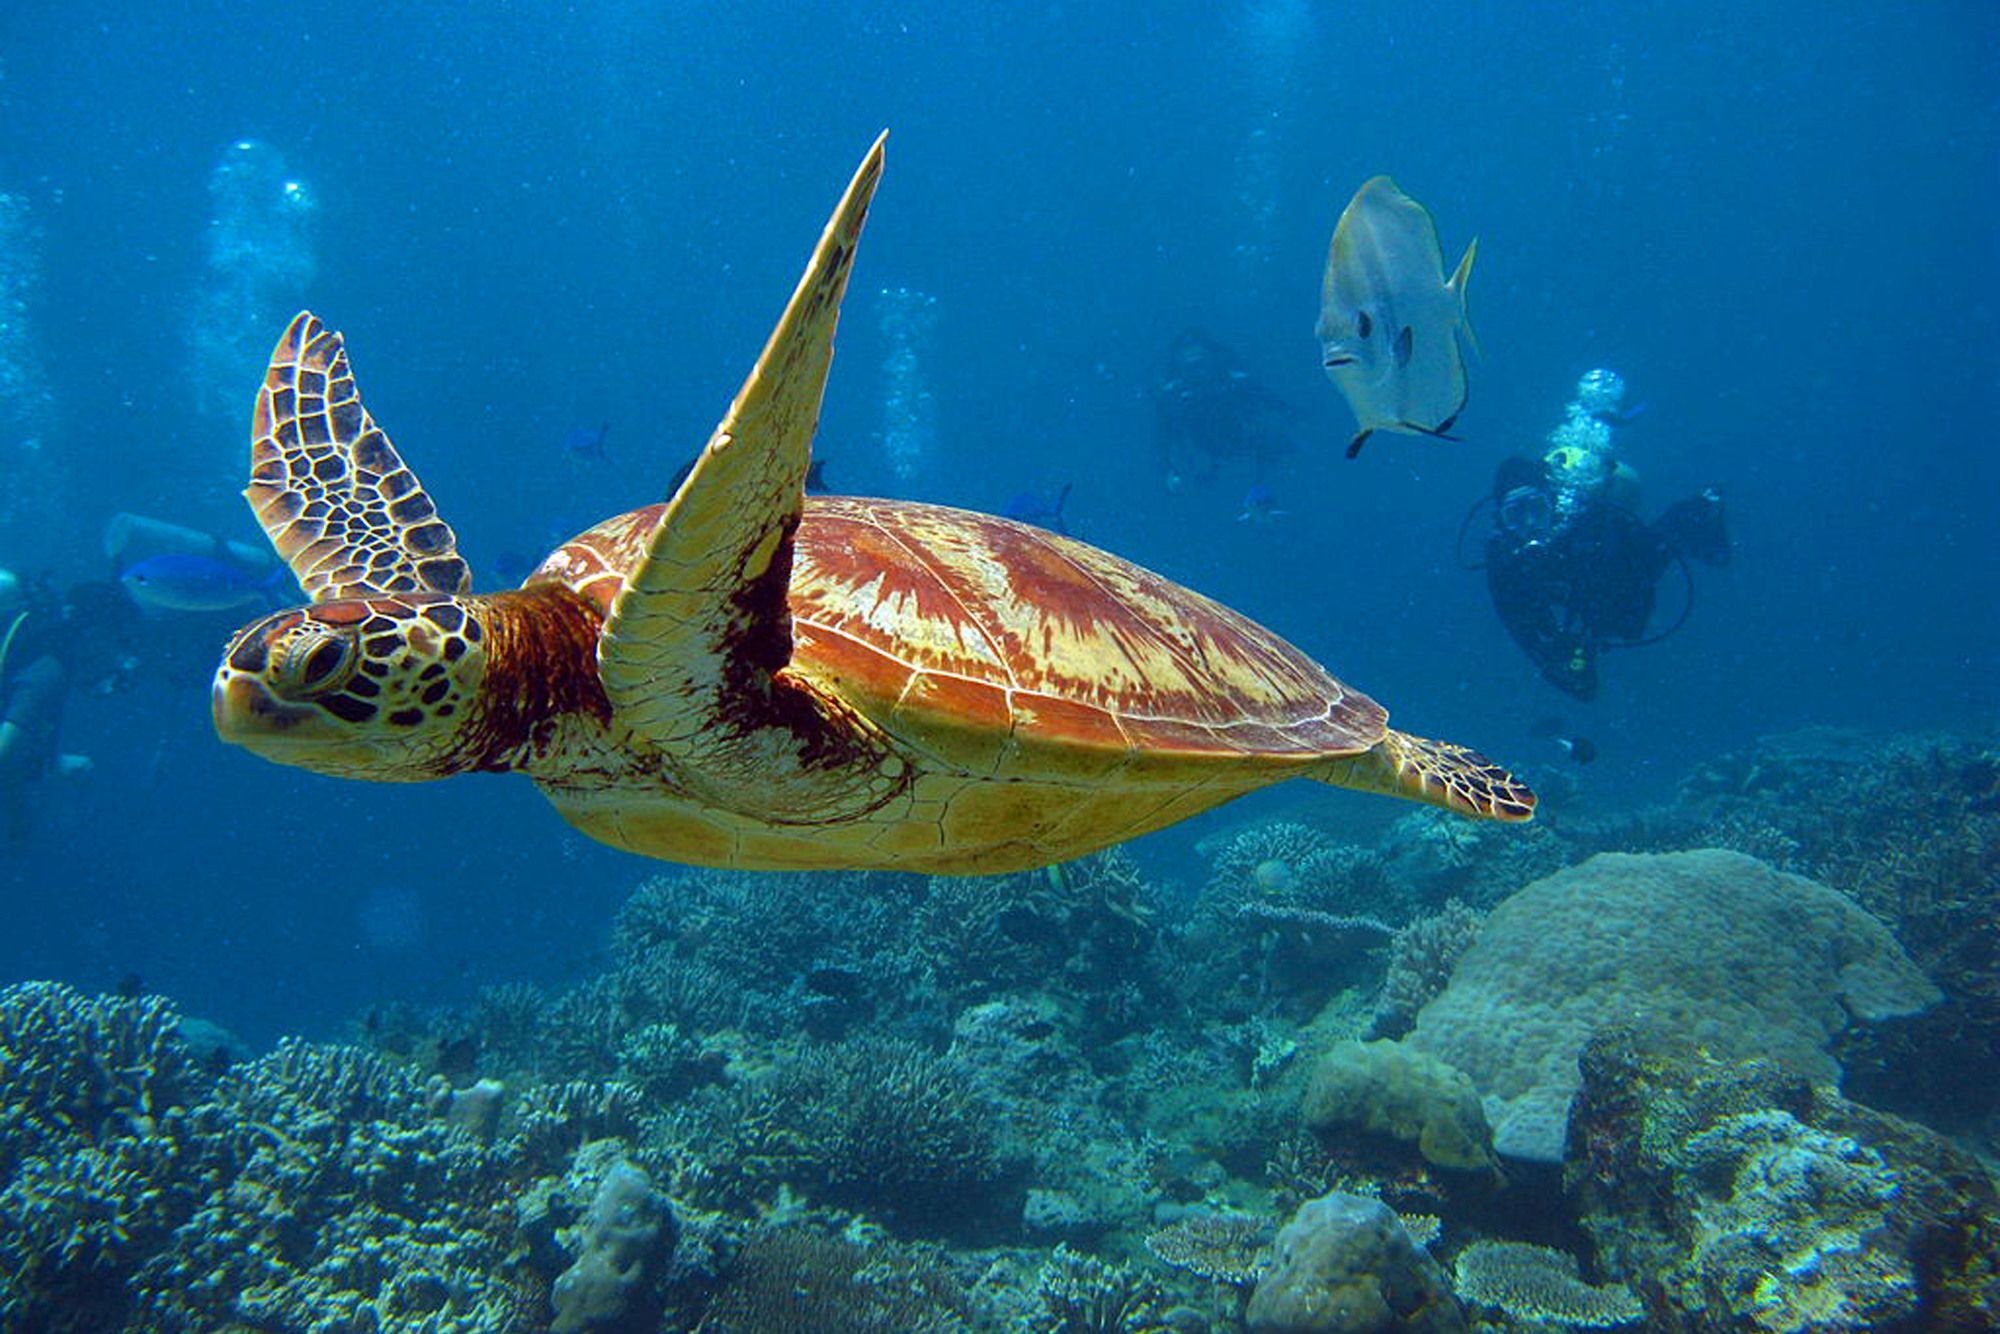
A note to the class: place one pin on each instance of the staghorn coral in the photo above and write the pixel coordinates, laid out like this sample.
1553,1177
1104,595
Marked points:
1535,1283
1078,926
94,1166
549,1122
986,934
1293,865
307,1189
90,1066
760,929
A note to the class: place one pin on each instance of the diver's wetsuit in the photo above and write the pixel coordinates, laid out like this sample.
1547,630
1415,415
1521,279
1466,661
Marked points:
32,687
1566,592
1566,597
1207,407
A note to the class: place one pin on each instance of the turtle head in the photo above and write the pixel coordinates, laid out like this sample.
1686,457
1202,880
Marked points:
383,687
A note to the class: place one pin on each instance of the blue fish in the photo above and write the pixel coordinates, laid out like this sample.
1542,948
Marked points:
1260,505
1579,748
1040,509
178,582
584,443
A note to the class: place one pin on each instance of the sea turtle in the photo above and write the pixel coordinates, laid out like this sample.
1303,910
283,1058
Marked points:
747,676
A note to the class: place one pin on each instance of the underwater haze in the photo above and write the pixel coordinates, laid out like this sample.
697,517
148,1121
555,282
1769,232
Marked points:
555,236
1777,224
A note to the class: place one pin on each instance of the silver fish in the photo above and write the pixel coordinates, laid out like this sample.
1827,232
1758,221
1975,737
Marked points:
1389,322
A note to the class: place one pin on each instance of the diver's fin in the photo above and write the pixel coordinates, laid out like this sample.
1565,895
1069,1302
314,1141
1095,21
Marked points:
1460,277
1360,439
1436,773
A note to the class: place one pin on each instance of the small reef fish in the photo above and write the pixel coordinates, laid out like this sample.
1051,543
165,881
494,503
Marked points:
1389,321
1260,505
1579,748
185,583
584,443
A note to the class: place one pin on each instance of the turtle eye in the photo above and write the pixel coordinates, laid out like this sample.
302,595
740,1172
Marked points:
317,665
322,663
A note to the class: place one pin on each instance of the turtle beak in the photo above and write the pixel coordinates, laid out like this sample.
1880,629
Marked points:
247,714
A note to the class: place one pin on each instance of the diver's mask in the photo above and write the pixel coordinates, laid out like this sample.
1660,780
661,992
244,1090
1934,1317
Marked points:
1527,514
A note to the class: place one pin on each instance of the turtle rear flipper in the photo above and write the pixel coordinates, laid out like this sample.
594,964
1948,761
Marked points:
1436,773
336,500
691,651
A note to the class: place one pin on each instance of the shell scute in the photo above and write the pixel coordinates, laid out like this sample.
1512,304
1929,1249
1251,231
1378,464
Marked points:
1009,650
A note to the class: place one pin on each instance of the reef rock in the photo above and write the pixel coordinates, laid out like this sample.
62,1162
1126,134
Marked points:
1711,950
1391,1090
1743,1198
1344,1265
625,1237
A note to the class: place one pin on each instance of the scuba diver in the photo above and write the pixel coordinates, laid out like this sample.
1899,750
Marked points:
48,643
1572,569
1207,408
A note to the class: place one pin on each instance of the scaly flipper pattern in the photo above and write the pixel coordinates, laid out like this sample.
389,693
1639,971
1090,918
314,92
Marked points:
334,497
1438,773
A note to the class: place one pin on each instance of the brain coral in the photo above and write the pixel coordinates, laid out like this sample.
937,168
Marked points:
1709,948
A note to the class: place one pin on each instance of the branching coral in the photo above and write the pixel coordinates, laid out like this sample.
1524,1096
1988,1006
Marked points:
797,1278
1223,1248
873,1124
309,1188
1080,1294
90,1065
1421,957
1535,1283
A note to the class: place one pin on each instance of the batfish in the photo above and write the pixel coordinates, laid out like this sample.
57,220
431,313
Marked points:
1389,322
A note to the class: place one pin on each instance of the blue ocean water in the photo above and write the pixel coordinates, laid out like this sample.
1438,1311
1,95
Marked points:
1776,222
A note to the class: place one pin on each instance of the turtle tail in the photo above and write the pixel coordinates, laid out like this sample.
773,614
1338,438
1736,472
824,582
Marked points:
1436,773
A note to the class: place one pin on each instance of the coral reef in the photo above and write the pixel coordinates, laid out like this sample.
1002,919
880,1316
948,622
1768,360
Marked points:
794,1277
873,1124
1536,1283
313,1188
1742,1197
1083,1099
1407,1095
1078,1294
1224,1248
1712,948
1344,1265
1421,957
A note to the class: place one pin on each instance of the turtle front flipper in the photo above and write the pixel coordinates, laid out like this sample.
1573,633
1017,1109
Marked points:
692,649
330,490
1436,773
